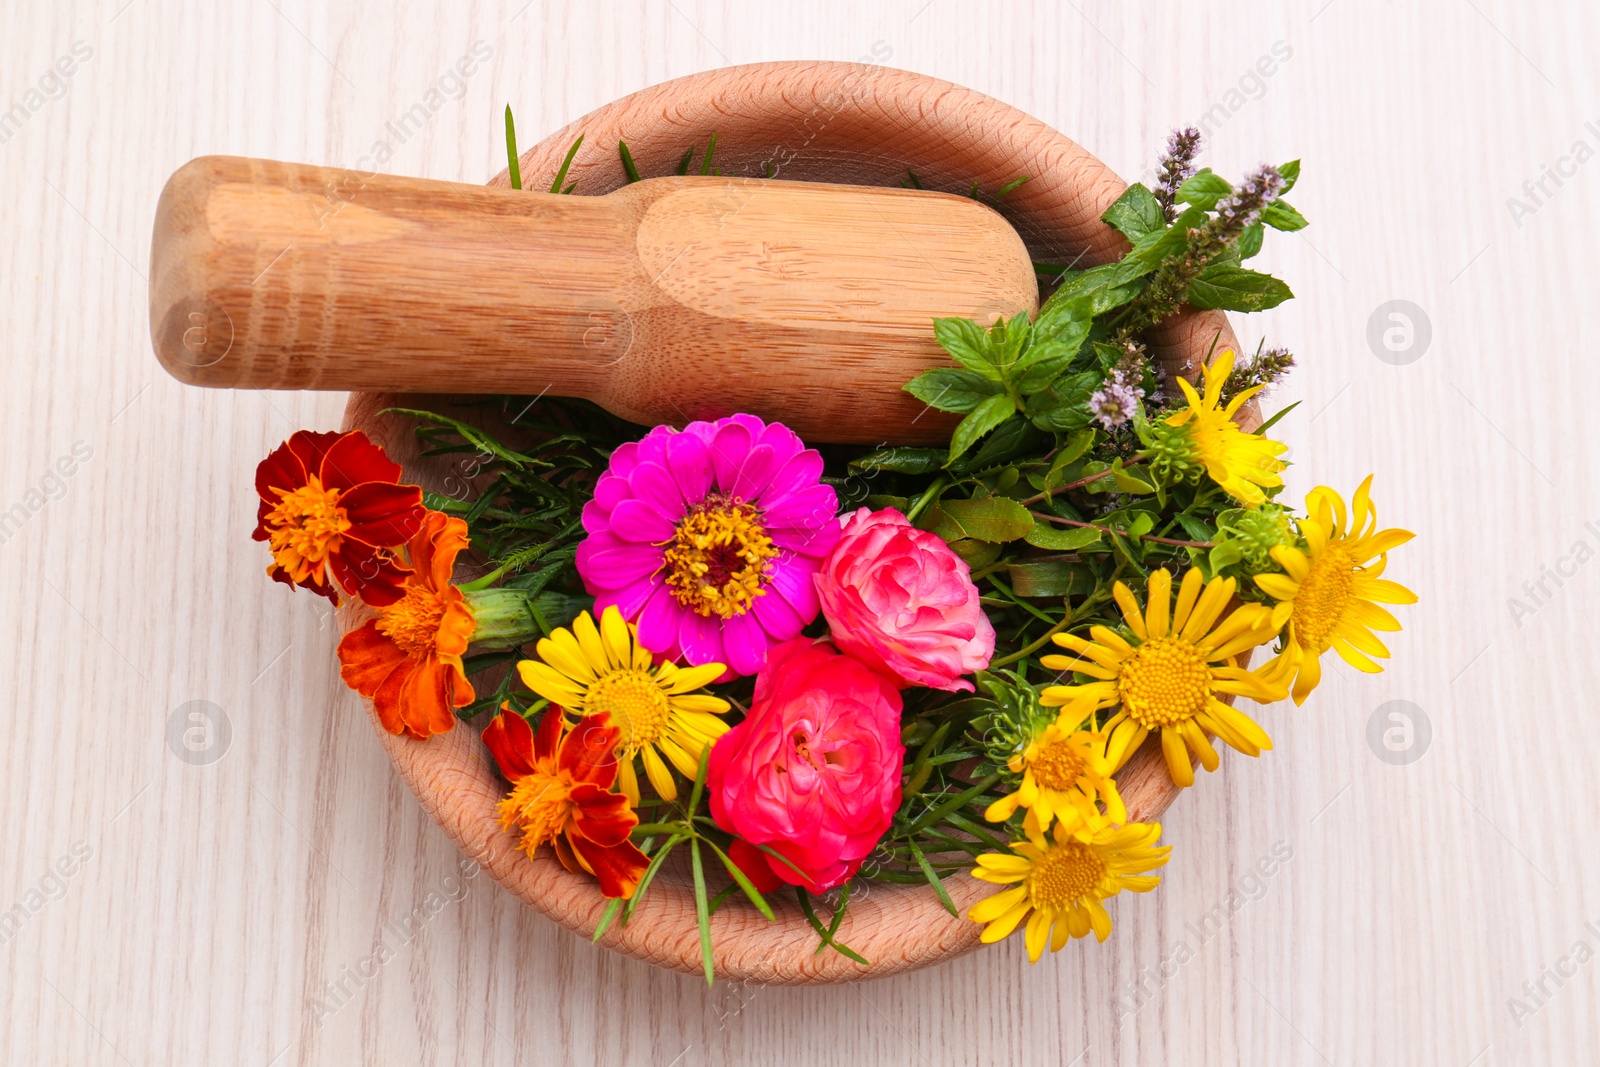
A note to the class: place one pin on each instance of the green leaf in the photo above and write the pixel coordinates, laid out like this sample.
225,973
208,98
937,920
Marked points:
968,345
514,162
1237,289
650,871
561,175
1281,215
1135,212
702,908
976,553
742,879
606,916
1291,174
1129,483
985,417
1075,447
824,933
1065,405
1149,252
1204,189
1050,579
1014,438
901,459
992,518
1197,528
932,876
1224,555
1007,341
699,781
1270,423
628,169
952,389
1048,360
1249,243
1061,538
1082,294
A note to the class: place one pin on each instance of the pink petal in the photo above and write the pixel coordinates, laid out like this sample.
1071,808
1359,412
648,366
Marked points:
614,567
792,580
659,620
797,473
653,483
728,451
755,472
700,638
636,520
691,467
745,643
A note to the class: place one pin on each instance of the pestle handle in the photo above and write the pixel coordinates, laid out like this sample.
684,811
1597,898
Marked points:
669,299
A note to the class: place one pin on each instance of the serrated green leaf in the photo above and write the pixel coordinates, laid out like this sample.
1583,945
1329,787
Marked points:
1081,295
1061,538
901,459
1281,215
1013,438
1291,174
985,417
1065,405
992,518
1237,289
1196,528
1203,189
1149,252
952,389
976,553
1249,243
1135,212
968,344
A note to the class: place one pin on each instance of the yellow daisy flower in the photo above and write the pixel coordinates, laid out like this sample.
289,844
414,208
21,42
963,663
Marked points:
1169,676
1330,594
1059,882
1064,772
1242,463
588,670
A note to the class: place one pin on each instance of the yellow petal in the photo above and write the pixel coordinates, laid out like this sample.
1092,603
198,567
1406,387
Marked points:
660,778
616,637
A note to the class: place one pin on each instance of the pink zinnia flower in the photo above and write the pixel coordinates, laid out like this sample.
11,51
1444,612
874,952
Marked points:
709,538
813,772
900,601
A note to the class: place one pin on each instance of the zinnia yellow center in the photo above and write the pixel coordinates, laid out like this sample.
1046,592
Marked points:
1323,595
1066,873
305,527
717,560
636,704
540,805
412,623
1166,681
1056,765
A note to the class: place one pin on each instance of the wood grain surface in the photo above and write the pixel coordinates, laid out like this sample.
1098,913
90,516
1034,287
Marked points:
669,298
208,859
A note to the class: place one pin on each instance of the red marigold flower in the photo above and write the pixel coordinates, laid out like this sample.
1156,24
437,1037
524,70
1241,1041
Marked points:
407,659
332,512
561,794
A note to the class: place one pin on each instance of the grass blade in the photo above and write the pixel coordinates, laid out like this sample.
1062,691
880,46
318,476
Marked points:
650,873
705,166
627,162
933,879
743,881
514,163
606,917
561,175
702,908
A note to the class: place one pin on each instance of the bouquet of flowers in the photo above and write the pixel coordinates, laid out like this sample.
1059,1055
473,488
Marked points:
812,668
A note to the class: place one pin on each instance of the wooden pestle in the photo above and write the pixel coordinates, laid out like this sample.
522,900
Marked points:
668,300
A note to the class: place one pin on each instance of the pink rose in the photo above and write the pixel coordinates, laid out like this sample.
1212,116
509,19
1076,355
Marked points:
897,599
814,770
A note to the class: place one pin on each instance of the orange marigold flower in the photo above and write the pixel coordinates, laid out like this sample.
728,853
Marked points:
561,794
332,513
407,658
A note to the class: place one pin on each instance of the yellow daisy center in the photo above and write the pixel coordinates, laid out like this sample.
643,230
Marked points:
1056,765
305,527
1323,595
717,560
1065,874
1166,681
540,804
412,623
637,706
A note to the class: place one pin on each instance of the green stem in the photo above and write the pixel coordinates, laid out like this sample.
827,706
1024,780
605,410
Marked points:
926,498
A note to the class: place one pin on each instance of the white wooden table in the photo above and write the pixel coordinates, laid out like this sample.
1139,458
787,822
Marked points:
289,903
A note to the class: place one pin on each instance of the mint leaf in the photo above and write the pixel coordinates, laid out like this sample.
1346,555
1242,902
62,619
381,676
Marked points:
1280,215
1291,174
1249,243
1204,189
1065,405
951,389
1135,213
1048,360
985,417
967,344
1081,295
1236,289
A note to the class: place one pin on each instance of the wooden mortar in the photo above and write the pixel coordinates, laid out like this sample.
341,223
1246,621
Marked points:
811,121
